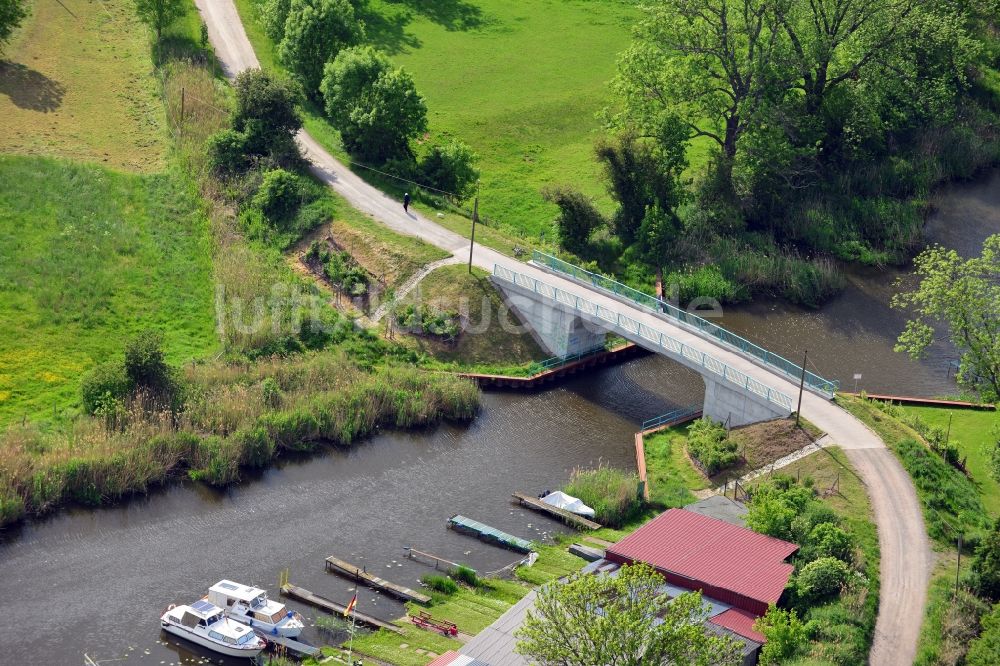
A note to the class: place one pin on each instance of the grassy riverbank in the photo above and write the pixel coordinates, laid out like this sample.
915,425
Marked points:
235,416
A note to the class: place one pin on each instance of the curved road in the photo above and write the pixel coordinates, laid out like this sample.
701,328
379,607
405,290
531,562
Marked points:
906,558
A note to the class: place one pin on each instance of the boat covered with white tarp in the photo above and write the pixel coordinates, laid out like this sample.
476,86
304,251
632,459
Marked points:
561,500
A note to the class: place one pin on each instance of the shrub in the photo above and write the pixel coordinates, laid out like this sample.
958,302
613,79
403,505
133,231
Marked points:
145,364
104,381
271,392
785,633
465,575
273,15
612,493
424,320
279,196
985,650
578,217
451,168
227,152
439,583
375,106
821,578
710,445
828,540
986,565
265,113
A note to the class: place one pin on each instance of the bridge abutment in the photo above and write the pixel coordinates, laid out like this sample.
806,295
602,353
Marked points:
730,405
557,331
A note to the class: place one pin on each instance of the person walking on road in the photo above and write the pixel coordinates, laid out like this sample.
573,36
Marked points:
406,202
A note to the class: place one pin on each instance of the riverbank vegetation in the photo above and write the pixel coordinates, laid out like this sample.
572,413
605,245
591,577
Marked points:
613,494
820,503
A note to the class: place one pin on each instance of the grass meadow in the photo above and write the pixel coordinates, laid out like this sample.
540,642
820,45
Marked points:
88,257
521,83
77,82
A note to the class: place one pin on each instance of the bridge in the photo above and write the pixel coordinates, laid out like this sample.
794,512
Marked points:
570,310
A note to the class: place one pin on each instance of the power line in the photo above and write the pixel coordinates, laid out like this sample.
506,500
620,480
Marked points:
405,180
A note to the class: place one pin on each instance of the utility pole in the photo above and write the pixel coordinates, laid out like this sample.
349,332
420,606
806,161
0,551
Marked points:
802,384
475,218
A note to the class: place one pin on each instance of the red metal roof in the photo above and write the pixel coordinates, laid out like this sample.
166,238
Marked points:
445,659
738,621
708,553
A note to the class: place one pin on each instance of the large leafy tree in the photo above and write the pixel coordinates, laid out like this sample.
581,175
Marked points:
962,296
625,620
266,113
315,31
375,106
159,14
12,12
708,63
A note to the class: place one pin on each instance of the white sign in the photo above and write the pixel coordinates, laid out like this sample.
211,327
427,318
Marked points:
857,375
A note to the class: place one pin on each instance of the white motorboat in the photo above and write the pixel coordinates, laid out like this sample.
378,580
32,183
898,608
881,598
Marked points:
251,606
205,624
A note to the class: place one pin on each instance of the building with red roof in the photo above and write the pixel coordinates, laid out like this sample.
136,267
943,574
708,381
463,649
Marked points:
727,562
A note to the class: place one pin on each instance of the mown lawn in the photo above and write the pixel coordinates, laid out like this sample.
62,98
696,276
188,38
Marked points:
77,82
670,473
971,430
88,257
521,82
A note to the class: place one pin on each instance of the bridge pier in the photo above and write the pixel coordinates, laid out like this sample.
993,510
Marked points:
558,331
730,405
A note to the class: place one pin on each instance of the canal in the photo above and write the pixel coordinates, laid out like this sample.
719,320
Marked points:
95,581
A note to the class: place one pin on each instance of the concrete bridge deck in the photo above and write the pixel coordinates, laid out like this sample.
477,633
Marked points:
906,558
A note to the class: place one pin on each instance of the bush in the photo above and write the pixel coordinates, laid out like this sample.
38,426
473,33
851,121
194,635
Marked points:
821,578
227,152
145,364
828,540
451,168
578,218
985,650
375,106
265,113
612,493
279,196
465,575
709,444
104,381
273,15
439,583
785,633
424,320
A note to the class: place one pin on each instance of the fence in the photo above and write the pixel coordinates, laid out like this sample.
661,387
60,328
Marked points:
698,324
676,415
631,327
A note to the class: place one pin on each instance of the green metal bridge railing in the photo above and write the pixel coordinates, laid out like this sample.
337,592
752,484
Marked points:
698,324
671,417
630,326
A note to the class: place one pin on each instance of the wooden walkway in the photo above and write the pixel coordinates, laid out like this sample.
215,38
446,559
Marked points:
928,402
567,517
619,354
359,575
302,594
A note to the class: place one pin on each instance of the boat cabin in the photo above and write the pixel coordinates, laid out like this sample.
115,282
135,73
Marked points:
212,621
249,601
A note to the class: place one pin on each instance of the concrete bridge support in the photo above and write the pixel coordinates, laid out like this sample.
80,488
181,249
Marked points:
557,330
726,404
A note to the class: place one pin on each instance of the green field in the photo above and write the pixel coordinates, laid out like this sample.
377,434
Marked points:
521,82
89,256
970,430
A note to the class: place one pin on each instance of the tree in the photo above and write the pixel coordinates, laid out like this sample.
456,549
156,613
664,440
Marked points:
785,633
159,14
600,620
962,295
821,578
273,15
315,32
145,363
578,218
266,113
279,196
12,12
375,106
709,64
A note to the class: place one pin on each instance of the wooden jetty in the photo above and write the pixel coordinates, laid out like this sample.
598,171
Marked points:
927,402
359,575
415,554
323,603
460,523
298,647
567,517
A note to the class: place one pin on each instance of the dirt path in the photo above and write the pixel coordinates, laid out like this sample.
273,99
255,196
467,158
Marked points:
906,557
409,286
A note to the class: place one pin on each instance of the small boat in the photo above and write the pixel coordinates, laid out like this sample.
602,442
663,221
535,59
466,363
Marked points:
205,624
251,606
561,500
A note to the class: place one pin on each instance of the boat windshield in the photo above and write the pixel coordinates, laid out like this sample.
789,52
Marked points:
258,601
245,638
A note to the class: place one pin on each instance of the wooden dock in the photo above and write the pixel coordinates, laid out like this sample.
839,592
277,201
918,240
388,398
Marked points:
414,554
359,575
926,402
298,647
489,534
567,517
302,594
